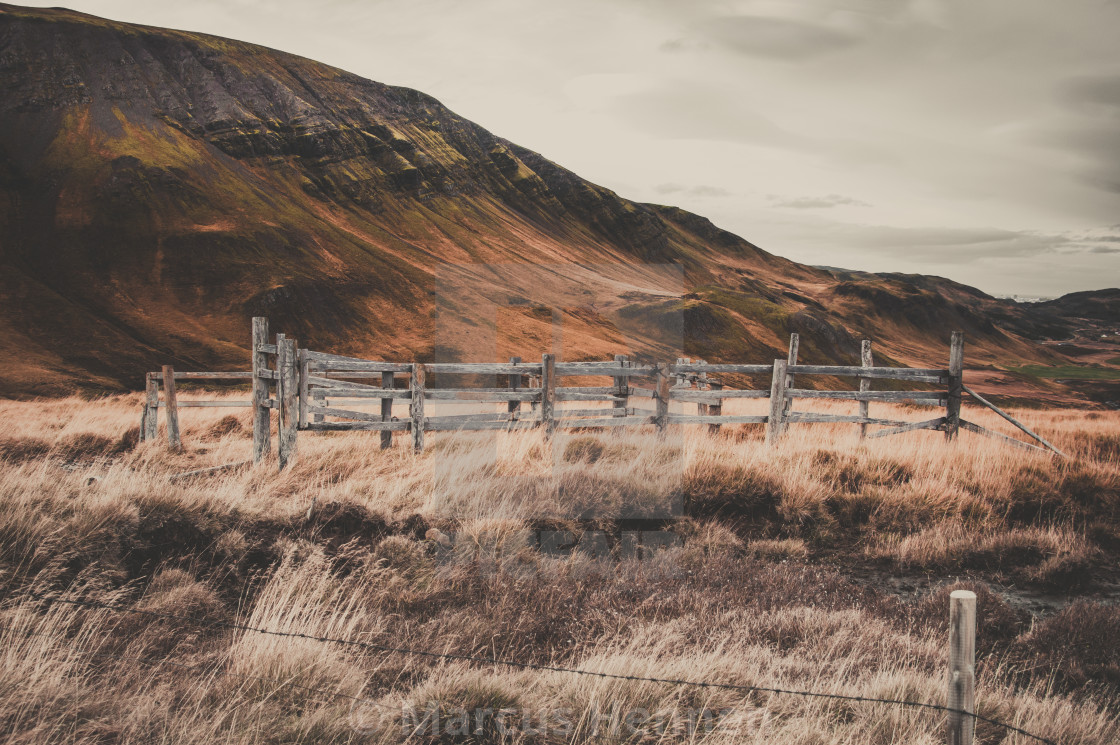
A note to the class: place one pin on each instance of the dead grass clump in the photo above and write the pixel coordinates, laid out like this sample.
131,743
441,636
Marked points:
583,449
128,440
85,445
1078,644
227,425
231,545
19,450
1100,446
1063,491
853,472
784,549
998,620
709,536
176,592
731,492
337,522
855,510
469,705
1048,555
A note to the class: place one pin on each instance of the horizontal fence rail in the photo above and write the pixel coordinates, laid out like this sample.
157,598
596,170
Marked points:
322,392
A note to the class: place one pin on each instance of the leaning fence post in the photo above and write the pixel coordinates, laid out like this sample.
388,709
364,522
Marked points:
149,424
956,380
388,380
661,419
864,385
548,393
776,420
791,360
289,390
621,386
416,407
172,406
962,667
262,415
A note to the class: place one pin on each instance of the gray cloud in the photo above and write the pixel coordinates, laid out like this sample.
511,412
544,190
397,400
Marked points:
1095,94
967,245
700,190
825,202
777,37
682,111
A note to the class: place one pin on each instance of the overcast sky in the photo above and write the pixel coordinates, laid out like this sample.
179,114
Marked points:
975,139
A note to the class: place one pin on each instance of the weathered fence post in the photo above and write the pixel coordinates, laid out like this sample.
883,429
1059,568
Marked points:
149,422
548,393
514,407
534,382
304,397
791,360
388,380
956,380
416,407
289,390
661,419
715,409
962,667
701,385
775,422
621,386
864,385
262,415
172,406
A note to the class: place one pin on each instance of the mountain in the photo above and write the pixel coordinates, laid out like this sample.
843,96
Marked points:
159,187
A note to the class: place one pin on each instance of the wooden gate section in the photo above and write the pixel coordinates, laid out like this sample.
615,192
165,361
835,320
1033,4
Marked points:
317,391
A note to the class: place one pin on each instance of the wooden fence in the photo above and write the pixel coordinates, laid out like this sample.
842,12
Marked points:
316,391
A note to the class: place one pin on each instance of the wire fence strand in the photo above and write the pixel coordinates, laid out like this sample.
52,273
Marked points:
210,623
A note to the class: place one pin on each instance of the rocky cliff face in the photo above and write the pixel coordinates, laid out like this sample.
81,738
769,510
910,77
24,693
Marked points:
159,187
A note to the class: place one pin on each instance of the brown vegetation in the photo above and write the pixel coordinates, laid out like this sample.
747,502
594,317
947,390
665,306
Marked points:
433,552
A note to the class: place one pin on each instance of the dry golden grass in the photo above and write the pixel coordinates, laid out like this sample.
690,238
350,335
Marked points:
350,542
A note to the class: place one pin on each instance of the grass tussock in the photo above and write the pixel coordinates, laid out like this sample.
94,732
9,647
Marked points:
439,552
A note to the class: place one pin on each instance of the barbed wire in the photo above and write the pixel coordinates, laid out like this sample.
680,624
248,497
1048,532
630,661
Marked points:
210,623
152,662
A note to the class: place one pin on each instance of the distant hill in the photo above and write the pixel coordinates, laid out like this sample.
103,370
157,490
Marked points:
159,187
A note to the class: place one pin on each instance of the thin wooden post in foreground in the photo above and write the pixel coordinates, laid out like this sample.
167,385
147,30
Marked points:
172,406
865,385
416,407
289,388
962,667
776,421
661,419
956,380
548,393
514,407
387,381
149,424
621,385
262,415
